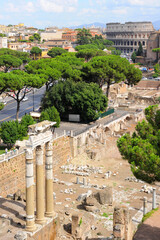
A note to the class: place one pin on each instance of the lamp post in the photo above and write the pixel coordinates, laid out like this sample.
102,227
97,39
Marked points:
33,99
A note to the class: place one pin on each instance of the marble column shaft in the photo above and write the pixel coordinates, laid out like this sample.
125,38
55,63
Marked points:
49,180
40,192
30,206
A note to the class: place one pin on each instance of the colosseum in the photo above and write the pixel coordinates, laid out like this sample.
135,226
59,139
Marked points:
126,37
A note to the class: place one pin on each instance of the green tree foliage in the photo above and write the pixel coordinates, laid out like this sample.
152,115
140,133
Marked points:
51,114
36,52
26,121
56,51
83,36
76,98
90,53
2,35
35,37
12,131
142,149
9,61
140,50
133,57
157,69
86,46
66,66
21,55
116,52
95,43
110,69
19,81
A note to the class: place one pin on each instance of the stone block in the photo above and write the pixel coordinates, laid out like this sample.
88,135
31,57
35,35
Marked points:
104,196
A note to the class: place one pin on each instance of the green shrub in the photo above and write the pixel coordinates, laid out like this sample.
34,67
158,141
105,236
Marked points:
1,106
155,75
26,121
51,114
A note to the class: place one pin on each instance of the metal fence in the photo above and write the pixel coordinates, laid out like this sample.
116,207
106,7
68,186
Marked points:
110,111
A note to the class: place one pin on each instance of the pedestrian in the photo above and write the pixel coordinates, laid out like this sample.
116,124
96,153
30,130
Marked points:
6,150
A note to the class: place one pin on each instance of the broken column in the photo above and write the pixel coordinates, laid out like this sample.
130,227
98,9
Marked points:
40,194
77,181
49,179
144,205
154,199
30,221
76,226
122,224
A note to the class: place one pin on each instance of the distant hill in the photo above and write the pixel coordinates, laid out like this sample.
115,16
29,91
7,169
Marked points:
156,25
95,24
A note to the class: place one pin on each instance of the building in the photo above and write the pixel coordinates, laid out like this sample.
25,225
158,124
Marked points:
127,37
51,35
70,36
3,42
153,42
56,43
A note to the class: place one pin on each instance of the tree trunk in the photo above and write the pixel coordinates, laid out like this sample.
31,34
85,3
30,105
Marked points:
107,90
18,107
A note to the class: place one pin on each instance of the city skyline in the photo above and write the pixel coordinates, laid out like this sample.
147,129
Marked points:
45,13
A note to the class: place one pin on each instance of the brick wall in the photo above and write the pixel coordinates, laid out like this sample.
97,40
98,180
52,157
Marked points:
12,173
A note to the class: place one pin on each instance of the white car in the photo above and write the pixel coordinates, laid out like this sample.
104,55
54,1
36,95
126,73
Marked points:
25,99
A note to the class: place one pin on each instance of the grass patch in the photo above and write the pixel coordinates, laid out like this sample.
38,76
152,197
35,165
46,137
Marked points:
114,184
149,214
105,215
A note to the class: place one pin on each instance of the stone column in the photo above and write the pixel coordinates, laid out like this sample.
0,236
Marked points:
144,205
40,194
154,199
30,221
49,180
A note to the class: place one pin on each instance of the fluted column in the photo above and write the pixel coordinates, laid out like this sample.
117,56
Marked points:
30,220
49,179
40,193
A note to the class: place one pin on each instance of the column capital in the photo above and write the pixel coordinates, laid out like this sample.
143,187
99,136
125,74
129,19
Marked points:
49,145
29,153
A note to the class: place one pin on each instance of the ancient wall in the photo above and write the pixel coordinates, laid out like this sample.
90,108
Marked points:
12,172
47,232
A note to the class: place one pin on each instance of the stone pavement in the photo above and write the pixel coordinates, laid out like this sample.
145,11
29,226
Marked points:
150,229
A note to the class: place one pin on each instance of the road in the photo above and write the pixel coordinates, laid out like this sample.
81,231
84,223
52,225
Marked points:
9,111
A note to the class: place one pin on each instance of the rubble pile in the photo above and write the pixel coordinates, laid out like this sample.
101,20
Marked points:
85,170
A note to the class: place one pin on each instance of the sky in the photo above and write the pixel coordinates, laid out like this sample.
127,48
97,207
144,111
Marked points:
65,13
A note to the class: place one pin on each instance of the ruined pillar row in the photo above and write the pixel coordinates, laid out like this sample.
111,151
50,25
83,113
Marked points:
49,180
30,220
40,193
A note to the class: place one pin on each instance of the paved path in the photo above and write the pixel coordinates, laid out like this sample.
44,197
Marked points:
150,229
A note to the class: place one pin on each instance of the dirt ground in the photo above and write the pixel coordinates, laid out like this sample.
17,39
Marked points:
125,193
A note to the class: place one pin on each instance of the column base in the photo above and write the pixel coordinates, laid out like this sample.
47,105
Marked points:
40,221
30,228
49,214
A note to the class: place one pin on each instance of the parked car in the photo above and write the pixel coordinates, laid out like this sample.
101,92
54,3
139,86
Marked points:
25,99
158,78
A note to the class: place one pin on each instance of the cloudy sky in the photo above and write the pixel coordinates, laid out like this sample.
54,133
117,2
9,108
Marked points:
43,13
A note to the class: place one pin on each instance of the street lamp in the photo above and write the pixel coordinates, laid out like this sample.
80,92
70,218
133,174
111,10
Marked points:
33,99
